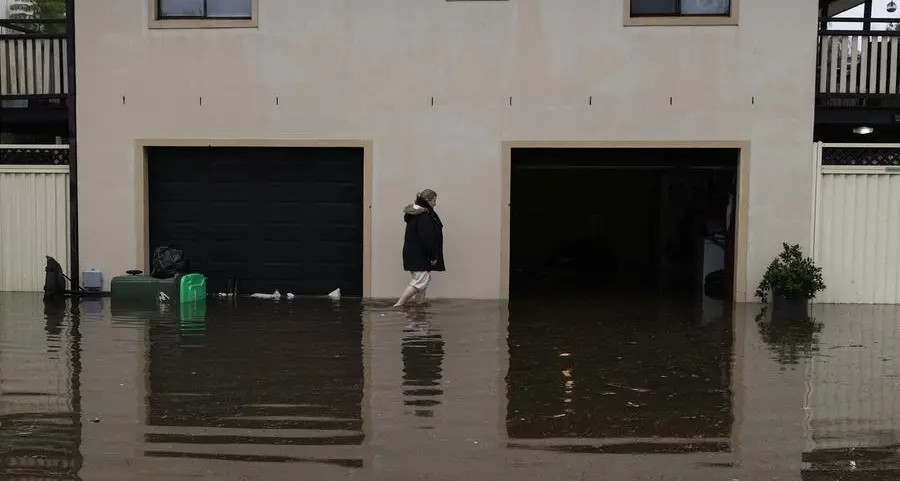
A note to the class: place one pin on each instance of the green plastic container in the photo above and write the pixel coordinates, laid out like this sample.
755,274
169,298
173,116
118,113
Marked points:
143,289
192,288
188,288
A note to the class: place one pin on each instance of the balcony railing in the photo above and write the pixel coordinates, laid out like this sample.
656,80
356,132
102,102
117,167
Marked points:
859,69
33,59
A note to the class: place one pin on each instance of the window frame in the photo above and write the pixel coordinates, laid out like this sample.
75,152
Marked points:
681,20
202,22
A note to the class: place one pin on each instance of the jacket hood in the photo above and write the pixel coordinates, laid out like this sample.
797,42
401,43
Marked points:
419,207
414,209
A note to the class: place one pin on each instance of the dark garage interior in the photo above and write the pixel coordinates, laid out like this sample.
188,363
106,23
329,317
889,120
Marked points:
263,218
623,221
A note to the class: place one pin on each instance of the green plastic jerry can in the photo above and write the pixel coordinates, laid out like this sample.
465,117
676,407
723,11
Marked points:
192,288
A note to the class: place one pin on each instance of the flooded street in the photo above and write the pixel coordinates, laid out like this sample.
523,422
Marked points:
457,390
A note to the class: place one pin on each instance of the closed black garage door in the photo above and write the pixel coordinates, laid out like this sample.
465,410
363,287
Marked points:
274,218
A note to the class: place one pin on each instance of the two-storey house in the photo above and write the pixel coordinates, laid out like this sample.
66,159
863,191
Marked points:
577,143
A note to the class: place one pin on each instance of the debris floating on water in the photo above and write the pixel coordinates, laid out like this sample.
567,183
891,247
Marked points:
274,296
632,389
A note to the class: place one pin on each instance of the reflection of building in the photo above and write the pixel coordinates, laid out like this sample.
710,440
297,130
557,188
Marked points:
854,401
40,418
602,375
40,446
277,382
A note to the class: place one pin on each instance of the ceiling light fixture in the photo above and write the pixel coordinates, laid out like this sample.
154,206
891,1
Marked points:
863,130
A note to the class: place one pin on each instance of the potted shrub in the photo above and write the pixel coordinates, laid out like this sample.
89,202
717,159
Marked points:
792,280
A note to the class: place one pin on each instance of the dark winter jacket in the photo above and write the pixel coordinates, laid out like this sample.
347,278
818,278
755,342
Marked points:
423,243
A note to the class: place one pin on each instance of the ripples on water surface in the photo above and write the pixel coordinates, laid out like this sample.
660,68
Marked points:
455,390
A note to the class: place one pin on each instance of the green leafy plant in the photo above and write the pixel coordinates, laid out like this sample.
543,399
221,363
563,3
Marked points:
791,275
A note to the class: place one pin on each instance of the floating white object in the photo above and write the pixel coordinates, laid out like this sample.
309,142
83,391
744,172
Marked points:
290,295
335,294
226,294
274,296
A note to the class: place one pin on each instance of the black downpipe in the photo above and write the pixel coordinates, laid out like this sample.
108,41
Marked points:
867,14
74,268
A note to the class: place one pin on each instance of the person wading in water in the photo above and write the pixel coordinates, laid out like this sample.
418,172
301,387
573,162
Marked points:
423,245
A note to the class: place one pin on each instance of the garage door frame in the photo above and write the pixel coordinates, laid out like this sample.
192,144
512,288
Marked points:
743,194
142,203
842,292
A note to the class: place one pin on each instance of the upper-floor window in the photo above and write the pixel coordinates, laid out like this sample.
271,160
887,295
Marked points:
217,9
681,12
203,13
678,8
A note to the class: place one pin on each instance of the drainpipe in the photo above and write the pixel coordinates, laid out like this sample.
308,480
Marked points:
867,14
74,269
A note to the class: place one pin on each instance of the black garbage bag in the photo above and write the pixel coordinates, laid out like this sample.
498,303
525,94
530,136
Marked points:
54,280
168,262
715,285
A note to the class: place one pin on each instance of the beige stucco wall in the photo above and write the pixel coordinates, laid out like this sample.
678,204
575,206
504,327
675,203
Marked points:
368,70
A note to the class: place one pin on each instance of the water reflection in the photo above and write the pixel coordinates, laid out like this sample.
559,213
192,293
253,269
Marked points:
257,374
423,355
789,340
582,390
658,380
854,400
40,421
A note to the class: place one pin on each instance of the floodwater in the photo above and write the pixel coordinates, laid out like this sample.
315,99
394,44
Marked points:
457,390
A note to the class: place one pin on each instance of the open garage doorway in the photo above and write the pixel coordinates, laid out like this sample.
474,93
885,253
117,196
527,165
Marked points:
624,223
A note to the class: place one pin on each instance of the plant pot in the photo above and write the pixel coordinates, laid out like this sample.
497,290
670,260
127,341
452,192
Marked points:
790,308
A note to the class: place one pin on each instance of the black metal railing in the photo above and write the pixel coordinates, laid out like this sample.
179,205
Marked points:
33,59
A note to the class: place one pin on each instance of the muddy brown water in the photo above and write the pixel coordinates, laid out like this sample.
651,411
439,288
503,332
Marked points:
456,390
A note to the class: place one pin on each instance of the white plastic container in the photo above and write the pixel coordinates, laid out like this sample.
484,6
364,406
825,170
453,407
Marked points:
92,280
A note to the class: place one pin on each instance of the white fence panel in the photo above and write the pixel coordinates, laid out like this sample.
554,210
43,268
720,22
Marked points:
858,223
34,223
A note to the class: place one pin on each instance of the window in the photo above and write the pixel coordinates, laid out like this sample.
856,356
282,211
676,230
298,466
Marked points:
205,9
672,8
203,13
681,12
